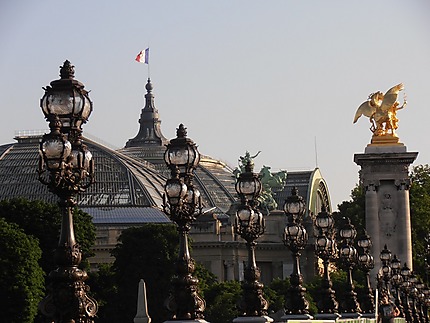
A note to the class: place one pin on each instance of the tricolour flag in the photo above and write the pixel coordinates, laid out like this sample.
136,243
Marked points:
143,56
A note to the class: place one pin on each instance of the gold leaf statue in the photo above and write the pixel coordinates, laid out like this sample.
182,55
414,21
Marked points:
381,109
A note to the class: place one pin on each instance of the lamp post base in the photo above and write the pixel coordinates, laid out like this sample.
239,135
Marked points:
296,317
327,316
187,321
253,319
350,315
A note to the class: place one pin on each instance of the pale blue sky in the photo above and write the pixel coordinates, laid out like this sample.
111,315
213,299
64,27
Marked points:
241,75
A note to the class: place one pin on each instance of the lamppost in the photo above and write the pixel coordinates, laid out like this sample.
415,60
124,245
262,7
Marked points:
326,249
426,303
420,300
385,269
348,259
397,280
250,225
406,273
182,203
366,263
66,168
413,292
295,238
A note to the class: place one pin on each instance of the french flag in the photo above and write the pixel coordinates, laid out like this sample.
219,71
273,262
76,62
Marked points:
143,56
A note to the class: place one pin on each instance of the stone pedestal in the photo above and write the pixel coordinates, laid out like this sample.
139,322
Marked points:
327,317
296,318
385,178
187,321
253,319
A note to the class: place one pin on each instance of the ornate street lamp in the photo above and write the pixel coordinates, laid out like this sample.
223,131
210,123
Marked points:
426,303
182,203
295,238
420,300
326,249
348,260
396,281
366,264
385,269
250,225
406,273
66,167
413,292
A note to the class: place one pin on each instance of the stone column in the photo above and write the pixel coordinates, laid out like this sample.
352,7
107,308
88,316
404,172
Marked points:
404,251
372,221
229,265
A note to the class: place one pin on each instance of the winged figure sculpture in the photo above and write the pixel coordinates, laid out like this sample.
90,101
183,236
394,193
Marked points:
381,109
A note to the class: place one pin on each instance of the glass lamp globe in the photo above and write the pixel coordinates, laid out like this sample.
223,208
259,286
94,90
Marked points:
323,220
295,205
395,263
364,241
182,152
175,191
67,99
55,151
348,231
385,254
405,272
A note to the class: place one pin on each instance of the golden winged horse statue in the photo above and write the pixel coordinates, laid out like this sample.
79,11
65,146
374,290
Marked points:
381,109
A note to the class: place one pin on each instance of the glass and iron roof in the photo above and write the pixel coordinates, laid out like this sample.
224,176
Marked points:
130,181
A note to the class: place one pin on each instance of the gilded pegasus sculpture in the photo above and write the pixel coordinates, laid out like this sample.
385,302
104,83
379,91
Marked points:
381,109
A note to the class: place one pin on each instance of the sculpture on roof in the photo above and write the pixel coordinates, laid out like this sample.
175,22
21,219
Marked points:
381,109
243,161
270,181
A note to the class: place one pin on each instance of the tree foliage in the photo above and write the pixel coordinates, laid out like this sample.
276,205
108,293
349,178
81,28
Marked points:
43,221
353,209
149,253
21,278
420,217
222,301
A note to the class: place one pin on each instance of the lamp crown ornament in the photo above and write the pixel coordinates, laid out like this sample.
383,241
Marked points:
67,71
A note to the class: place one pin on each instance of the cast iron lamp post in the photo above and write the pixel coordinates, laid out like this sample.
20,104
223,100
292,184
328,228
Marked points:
366,263
326,249
420,300
413,292
397,280
406,273
66,167
295,238
182,203
426,303
385,257
250,225
348,259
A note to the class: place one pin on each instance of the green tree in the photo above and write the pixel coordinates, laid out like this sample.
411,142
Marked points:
420,217
43,221
21,277
353,209
222,301
149,253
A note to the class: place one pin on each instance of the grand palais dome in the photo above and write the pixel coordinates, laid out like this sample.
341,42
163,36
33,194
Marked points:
130,181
